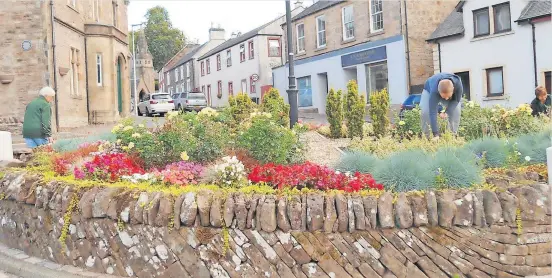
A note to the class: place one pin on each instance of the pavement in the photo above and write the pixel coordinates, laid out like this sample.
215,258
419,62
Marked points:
16,264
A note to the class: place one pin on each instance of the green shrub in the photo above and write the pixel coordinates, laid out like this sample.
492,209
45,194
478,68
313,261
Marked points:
532,147
455,168
357,162
410,125
269,142
72,144
354,111
334,113
241,106
405,171
475,122
492,151
379,112
274,104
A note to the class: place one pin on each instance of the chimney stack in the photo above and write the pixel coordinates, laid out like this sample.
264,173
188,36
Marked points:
298,4
216,34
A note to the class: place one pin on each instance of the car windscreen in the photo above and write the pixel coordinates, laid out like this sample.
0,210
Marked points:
160,97
196,96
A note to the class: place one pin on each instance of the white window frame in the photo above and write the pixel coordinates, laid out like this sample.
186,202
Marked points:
318,31
99,70
182,72
279,47
187,69
96,10
73,3
300,39
176,75
75,69
373,14
344,29
188,84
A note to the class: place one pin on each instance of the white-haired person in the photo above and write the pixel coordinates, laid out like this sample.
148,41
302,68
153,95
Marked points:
445,89
37,128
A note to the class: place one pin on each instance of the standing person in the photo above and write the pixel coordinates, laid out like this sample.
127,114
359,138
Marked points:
444,88
541,103
37,128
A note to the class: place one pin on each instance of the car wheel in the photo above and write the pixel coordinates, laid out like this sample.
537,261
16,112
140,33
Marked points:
148,114
161,115
179,107
139,113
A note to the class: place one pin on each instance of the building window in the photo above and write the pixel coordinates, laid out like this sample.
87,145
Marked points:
75,69
230,88
96,10
219,89
209,91
495,82
300,38
242,52
188,70
547,82
376,77
274,48
218,62
320,31
376,15
244,86
348,19
182,72
252,85
188,85
73,3
168,78
481,22
203,89
202,68
208,66
502,20
176,75
228,58
251,50
99,74
115,13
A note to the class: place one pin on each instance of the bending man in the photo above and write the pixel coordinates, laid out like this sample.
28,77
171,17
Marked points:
444,88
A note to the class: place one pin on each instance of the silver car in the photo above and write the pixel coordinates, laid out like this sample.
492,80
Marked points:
190,101
159,103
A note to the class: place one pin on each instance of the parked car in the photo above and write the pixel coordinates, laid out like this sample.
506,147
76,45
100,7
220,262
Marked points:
158,103
189,101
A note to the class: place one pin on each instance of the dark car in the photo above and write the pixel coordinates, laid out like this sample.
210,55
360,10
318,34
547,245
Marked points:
412,101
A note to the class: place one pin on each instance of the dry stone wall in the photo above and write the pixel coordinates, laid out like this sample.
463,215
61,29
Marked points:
206,234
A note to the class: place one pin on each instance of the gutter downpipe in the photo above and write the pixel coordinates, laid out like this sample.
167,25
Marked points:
534,53
86,72
439,51
54,65
407,50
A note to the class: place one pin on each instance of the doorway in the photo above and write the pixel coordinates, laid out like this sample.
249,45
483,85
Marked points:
465,78
305,91
119,85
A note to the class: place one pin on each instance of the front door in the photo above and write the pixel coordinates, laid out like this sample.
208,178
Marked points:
119,87
305,91
465,78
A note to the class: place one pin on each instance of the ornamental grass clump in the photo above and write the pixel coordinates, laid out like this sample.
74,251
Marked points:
491,151
386,146
334,113
379,112
532,147
357,162
455,168
405,171
354,111
68,145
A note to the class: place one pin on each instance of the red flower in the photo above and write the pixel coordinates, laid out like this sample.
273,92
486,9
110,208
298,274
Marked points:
111,166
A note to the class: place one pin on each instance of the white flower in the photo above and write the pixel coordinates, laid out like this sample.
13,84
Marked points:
128,127
136,135
527,158
518,153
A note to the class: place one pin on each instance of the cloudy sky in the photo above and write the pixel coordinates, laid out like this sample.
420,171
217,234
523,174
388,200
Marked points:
195,17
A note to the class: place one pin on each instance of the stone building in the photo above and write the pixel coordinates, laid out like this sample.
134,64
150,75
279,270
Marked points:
77,47
145,74
380,44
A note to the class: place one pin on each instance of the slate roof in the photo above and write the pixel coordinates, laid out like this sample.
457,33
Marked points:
188,56
452,25
316,7
535,9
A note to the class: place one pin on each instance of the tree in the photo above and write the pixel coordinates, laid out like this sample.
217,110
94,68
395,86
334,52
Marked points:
164,41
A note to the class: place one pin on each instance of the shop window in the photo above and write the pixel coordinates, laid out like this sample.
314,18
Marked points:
376,77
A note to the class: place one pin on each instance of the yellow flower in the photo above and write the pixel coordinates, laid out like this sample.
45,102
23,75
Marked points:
130,145
128,127
136,135
508,126
115,129
118,141
401,123
141,126
184,156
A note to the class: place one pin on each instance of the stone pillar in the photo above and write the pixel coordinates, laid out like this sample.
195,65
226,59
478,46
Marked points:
6,148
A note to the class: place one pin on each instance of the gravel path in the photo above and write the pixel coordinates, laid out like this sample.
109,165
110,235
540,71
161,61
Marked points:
322,150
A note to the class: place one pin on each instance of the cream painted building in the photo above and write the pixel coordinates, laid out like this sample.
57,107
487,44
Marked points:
77,47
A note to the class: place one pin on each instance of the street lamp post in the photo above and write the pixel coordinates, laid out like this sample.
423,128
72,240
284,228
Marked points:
135,100
292,89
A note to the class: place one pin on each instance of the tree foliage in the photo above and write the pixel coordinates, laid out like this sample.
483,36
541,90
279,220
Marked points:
379,111
354,110
164,40
334,113
274,103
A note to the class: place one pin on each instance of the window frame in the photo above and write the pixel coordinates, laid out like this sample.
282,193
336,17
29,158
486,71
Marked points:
495,16
228,58
302,38
279,46
318,31
99,69
242,52
230,88
487,71
202,68
187,70
474,19
182,72
96,10
343,28
251,49
547,85
219,65
176,74
208,66
209,89
219,88
252,85
203,89
372,14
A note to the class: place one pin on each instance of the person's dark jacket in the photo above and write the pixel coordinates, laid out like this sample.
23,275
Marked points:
37,121
538,107
432,87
